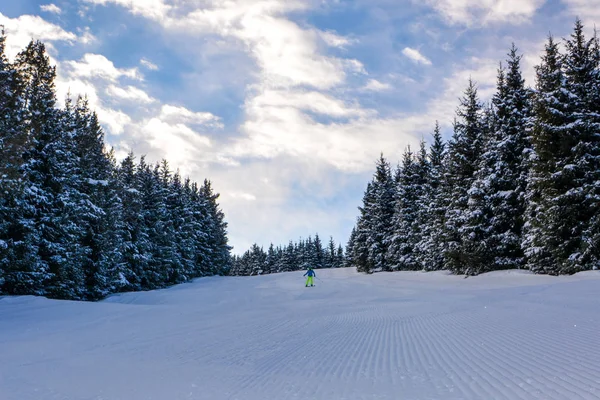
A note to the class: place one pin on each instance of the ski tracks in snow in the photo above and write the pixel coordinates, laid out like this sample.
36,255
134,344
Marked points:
353,337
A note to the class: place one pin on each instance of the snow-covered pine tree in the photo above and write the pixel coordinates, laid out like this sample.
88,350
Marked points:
424,191
154,214
360,249
563,184
550,115
578,173
235,265
349,259
271,260
404,237
200,229
318,253
181,241
166,238
47,167
13,138
258,260
134,241
380,216
18,253
98,206
303,249
340,261
330,256
114,226
184,227
492,232
217,231
289,261
431,244
464,153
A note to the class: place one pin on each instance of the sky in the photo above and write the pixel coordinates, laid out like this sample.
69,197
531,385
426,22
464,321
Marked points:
285,105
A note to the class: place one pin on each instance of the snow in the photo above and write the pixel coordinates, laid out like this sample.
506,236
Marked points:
402,335
97,182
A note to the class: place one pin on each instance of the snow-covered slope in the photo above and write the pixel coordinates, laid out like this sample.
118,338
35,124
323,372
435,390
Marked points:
505,335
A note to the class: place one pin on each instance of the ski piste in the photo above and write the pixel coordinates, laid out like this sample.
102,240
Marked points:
393,336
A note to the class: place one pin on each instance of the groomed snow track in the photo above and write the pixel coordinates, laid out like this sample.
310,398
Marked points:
505,335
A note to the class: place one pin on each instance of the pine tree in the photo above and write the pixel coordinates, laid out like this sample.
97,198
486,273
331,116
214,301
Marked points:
13,138
134,239
200,228
561,217
360,250
379,217
97,207
73,225
217,231
318,254
154,214
45,162
17,250
289,261
271,260
493,229
464,154
340,261
401,252
423,192
350,247
330,257
578,173
186,228
431,243
257,260
550,115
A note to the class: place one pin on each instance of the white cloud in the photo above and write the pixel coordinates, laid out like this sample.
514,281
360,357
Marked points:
21,30
334,40
416,56
588,10
98,66
475,12
116,120
349,146
149,64
155,9
298,116
174,114
176,142
243,196
304,100
95,75
86,36
130,93
373,85
482,71
51,8
355,66
287,54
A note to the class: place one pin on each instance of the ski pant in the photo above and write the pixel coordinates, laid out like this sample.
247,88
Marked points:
309,281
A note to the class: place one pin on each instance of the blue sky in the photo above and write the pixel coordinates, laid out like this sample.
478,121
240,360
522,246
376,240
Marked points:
284,104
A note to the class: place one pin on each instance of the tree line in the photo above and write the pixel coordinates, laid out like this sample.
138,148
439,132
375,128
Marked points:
75,223
293,257
516,187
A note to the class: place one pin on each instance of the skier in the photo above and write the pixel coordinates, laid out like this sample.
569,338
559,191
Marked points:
310,274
